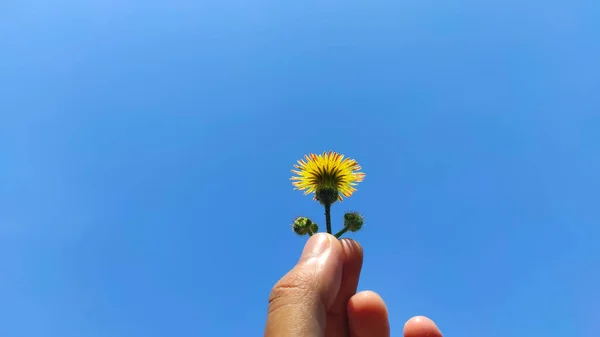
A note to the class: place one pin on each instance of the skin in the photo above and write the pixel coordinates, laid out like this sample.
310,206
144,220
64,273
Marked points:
318,298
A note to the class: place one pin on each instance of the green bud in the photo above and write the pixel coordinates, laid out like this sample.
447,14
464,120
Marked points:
314,228
353,221
302,225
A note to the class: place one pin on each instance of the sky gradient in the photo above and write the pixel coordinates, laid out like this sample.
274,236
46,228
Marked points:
146,152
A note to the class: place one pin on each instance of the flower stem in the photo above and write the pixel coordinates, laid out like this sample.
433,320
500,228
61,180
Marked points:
328,217
340,233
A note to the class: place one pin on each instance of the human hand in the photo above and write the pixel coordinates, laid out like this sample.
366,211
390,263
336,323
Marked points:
318,298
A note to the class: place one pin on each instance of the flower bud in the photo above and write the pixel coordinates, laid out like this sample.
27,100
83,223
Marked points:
354,221
302,225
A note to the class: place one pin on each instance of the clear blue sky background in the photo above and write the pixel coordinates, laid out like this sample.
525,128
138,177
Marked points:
146,149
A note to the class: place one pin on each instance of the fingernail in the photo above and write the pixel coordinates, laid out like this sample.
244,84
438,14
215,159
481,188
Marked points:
316,245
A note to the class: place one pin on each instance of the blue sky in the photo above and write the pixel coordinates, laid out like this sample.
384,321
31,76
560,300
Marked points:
146,149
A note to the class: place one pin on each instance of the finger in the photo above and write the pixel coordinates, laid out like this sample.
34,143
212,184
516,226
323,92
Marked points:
421,326
367,315
299,301
337,317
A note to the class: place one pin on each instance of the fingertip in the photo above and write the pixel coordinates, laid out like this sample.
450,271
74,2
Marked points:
352,249
319,244
300,299
421,326
322,261
367,301
367,315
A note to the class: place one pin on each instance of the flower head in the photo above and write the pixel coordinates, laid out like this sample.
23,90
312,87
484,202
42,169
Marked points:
328,172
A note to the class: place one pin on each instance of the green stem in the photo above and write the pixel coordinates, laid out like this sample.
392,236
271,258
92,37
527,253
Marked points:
340,233
310,233
328,217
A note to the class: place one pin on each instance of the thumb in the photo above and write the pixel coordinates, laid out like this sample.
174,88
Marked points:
299,301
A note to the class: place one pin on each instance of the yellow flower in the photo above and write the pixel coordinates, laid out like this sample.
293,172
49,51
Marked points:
329,170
